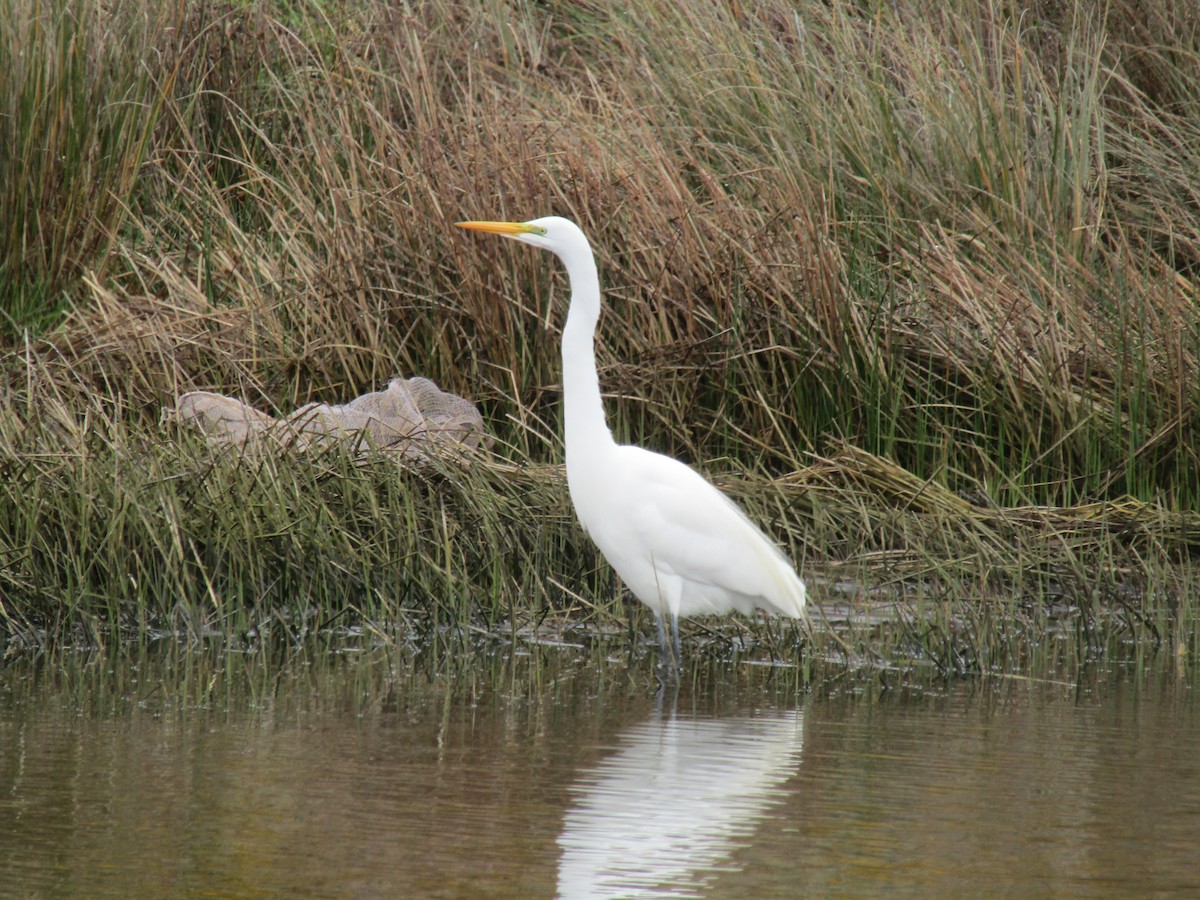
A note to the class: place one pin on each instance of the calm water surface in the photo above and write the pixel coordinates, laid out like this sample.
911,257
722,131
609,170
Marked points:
366,777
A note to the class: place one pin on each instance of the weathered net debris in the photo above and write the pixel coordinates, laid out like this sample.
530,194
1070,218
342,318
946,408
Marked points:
411,417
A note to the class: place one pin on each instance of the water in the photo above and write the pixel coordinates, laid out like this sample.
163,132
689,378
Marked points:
368,776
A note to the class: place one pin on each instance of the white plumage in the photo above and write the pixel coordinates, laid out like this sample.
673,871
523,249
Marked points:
680,545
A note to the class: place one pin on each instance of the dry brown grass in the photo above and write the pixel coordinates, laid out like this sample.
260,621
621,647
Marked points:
896,256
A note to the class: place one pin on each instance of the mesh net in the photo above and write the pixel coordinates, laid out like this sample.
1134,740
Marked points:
411,416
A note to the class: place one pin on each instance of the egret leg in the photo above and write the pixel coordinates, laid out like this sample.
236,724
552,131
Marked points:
677,657
668,688
666,659
662,647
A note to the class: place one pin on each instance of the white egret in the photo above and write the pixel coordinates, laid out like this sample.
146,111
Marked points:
677,542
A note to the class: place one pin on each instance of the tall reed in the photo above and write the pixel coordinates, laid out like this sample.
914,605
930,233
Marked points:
924,278
79,106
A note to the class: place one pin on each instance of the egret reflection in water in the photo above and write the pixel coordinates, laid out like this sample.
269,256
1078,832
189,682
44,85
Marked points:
663,814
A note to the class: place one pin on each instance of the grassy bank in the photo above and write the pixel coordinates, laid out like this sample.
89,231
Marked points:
919,285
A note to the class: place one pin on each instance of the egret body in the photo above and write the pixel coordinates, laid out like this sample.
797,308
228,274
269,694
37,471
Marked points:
677,542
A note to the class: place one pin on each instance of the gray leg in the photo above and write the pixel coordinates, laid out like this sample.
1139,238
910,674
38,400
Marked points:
668,667
662,653
678,654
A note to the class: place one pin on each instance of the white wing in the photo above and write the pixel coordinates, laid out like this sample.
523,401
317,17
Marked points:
665,529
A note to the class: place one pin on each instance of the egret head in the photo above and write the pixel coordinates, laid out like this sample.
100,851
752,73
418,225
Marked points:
552,233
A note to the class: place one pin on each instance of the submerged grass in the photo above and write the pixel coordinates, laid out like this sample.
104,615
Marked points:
922,282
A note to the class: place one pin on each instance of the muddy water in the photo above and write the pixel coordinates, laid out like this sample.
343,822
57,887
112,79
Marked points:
363,776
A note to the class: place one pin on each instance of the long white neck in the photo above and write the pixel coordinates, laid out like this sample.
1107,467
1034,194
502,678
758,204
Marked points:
585,428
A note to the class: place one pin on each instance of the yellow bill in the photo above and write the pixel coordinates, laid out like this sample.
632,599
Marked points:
509,229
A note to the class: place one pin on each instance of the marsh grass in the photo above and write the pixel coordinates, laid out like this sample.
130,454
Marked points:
919,285
79,108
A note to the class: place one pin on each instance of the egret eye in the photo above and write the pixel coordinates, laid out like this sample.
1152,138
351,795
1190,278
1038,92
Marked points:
536,229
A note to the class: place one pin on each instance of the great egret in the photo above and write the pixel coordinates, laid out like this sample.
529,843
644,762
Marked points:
677,542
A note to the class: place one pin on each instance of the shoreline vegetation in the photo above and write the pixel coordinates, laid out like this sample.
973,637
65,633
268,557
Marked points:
916,286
